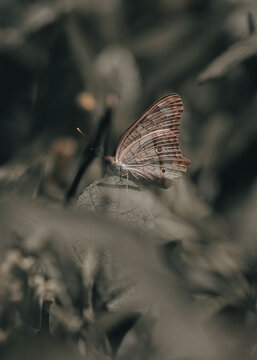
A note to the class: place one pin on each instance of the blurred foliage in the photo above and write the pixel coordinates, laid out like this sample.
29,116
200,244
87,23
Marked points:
92,270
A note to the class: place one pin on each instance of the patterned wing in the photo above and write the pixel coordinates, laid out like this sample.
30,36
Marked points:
163,114
149,149
156,158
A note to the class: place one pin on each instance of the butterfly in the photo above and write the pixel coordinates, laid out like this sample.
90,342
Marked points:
149,150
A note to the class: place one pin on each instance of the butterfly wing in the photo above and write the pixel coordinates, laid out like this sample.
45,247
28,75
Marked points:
150,149
163,114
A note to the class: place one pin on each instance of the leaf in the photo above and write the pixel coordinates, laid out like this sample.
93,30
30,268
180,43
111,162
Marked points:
109,196
229,59
138,207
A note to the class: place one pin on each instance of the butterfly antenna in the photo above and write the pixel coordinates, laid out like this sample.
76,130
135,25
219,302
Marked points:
80,131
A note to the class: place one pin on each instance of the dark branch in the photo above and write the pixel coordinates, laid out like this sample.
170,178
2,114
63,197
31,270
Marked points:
89,153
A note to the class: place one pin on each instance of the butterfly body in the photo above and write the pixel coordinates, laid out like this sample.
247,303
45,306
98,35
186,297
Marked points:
149,150
117,167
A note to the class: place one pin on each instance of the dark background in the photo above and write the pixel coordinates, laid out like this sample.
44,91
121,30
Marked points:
52,52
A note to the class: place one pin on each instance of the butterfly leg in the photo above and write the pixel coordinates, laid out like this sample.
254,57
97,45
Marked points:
120,175
127,183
